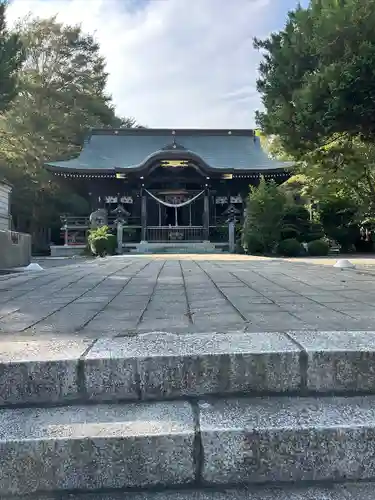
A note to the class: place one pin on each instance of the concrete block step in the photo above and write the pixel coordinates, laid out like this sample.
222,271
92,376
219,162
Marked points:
208,443
353,491
269,440
96,447
160,366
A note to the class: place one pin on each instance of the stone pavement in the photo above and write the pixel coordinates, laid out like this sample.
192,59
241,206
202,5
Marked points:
132,294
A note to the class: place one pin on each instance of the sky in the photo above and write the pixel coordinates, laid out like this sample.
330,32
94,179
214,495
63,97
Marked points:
175,63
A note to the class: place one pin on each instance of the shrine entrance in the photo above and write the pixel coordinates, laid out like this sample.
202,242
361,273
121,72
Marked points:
175,215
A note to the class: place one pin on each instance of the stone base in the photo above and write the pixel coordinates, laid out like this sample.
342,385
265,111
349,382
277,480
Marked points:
66,251
349,491
175,247
146,247
15,249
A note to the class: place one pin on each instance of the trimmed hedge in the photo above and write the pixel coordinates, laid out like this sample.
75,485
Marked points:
290,247
318,248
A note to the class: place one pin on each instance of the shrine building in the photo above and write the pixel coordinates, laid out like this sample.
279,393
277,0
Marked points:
176,185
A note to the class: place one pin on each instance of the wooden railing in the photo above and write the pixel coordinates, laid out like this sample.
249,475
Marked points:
166,234
72,222
77,227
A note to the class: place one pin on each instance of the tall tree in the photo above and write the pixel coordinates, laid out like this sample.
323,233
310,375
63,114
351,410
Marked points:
317,75
62,95
11,58
317,86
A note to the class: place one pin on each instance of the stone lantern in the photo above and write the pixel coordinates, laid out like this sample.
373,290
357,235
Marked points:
121,220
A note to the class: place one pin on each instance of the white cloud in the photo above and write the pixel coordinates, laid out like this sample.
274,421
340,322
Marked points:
172,63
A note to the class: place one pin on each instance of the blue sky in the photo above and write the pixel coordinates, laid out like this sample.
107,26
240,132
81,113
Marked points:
175,63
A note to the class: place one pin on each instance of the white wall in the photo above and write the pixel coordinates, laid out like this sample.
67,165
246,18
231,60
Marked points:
4,206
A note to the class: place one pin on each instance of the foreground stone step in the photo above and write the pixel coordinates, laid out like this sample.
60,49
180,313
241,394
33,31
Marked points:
40,371
287,439
159,366
166,366
363,491
208,443
96,447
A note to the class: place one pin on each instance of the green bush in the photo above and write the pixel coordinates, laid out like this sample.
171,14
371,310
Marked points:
111,244
263,222
316,232
290,247
295,223
99,246
102,242
339,218
318,248
253,245
289,231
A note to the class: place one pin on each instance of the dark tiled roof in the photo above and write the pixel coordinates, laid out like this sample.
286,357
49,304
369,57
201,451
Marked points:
5,182
132,148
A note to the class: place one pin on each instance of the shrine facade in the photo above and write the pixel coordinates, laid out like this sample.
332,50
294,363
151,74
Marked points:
175,185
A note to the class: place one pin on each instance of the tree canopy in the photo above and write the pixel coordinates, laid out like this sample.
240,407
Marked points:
61,96
11,58
317,76
317,85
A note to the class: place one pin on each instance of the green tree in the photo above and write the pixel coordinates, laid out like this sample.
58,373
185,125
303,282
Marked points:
11,58
264,217
316,78
62,95
295,222
345,169
316,82
340,219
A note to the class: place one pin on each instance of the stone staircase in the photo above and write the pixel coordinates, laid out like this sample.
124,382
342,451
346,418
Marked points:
268,416
174,247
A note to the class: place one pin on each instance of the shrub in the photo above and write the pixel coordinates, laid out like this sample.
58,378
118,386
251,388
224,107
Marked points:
262,227
296,222
111,244
101,241
339,218
318,248
289,231
290,247
99,246
316,232
253,245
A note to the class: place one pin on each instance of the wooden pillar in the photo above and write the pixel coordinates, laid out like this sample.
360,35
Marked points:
206,216
143,215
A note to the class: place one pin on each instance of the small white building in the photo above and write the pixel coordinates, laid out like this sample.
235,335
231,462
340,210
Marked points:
5,220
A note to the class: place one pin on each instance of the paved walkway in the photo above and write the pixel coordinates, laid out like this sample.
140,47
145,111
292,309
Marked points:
128,294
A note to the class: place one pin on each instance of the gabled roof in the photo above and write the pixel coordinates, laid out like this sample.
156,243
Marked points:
120,150
4,182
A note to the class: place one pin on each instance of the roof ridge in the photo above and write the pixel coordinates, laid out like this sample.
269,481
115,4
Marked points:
174,131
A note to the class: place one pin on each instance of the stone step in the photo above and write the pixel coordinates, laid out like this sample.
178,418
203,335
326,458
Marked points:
206,443
286,439
353,491
161,366
177,247
96,447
